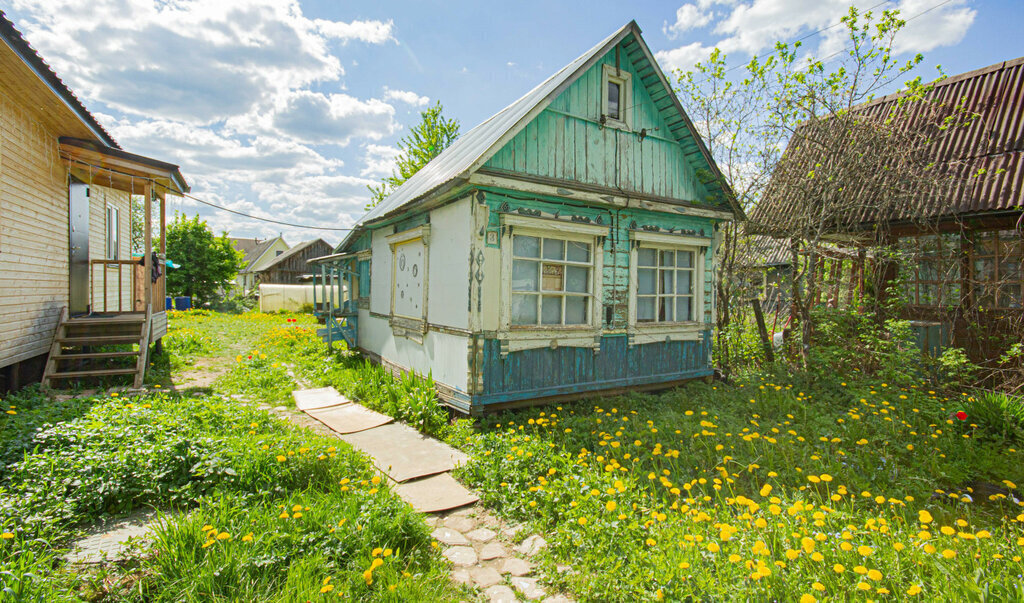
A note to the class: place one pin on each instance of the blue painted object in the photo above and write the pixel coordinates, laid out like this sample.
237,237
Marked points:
182,303
170,303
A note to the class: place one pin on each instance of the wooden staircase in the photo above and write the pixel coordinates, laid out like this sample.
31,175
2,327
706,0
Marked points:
99,345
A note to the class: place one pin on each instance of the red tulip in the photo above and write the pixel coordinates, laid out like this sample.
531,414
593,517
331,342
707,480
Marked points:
961,415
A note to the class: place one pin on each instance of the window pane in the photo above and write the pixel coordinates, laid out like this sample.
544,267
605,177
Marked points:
645,309
554,249
665,309
684,285
667,281
613,100
551,310
685,259
683,308
984,269
578,252
646,257
668,258
985,243
575,310
576,278
524,309
646,280
554,275
524,275
526,247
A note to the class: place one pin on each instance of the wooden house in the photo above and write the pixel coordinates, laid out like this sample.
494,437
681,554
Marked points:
258,255
562,247
69,280
960,247
291,267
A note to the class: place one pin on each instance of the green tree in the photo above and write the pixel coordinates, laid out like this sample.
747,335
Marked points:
427,139
206,262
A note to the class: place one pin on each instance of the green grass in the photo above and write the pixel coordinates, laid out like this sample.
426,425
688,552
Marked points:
205,461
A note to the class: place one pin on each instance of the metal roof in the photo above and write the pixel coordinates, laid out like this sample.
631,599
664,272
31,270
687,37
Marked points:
471,150
992,144
17,43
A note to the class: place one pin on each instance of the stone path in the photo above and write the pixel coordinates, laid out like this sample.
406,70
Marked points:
484,551
108,539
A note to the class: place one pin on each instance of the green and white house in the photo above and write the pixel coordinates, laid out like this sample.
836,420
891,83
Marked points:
562,247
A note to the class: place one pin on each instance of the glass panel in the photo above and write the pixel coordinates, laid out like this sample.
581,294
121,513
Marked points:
684,285
646,280
985,243
554,249
554,277
645,309
575,310
526,247
551,310
646,257
576,279
928,271
683,308
929,294
667,281
984,269
665,309
525,275
578,252
685,259
524,309
613,100
668,258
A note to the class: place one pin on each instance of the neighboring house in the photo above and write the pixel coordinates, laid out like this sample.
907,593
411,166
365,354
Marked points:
292,267
564,246
258,255
69,281
961,249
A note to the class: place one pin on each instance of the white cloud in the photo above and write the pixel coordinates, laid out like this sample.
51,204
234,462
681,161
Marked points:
688,16
373,32
406,96
380,160
945,26
682,58
318,118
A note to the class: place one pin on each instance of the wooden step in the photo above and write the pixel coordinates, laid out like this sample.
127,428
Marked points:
107,320
94,373
100,340
84,356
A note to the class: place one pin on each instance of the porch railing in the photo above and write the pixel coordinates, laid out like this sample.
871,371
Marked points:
108,276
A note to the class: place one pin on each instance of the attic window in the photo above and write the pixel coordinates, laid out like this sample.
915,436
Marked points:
616,98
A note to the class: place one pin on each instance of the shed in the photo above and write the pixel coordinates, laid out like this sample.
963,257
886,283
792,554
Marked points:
563,247
290,267
70,283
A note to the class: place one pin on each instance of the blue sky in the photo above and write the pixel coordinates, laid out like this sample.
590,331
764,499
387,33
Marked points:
287,109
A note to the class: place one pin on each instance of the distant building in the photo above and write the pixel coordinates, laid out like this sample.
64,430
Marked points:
290,267
258,255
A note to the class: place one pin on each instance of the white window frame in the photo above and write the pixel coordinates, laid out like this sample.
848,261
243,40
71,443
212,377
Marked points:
113,239
552,229
668,242
411,327
623,78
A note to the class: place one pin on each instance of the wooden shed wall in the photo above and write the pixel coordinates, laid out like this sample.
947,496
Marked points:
33,232
288,271
567,142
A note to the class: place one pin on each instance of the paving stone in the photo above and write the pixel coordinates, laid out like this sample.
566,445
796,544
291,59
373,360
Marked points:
481,535
562,568
449,537
511,531
492,550
462,576
106,540
532,545
516,567
500,593
558,599
459,523
432,520
463,556
485,577
529,587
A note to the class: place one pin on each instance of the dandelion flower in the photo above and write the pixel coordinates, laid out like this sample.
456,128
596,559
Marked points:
924,516
948,554
838,568
913,590
6,535
247,537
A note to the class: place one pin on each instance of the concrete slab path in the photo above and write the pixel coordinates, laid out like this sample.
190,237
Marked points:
403,453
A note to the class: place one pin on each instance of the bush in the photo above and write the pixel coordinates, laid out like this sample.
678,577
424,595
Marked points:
234,304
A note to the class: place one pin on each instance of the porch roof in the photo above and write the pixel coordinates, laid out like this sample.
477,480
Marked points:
120,169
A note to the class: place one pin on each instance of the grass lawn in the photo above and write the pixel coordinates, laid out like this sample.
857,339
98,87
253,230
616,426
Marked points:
257,509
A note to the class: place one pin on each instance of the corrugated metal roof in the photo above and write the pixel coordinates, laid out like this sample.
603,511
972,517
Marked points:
993,142
474,148
17,43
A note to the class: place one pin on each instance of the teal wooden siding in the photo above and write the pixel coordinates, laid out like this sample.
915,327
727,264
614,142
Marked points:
567,142
548,372
364,278
615,279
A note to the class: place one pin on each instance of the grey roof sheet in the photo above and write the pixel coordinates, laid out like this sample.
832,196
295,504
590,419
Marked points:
254,254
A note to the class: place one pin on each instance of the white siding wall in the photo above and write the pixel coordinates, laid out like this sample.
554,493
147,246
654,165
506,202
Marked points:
448,288
442,355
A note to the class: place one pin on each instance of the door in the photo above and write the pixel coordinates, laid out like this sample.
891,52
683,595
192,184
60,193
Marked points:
78,245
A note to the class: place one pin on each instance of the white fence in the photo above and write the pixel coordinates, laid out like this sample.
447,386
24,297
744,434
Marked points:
292,297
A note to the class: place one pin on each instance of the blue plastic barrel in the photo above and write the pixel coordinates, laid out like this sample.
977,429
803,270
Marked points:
182,303
170,303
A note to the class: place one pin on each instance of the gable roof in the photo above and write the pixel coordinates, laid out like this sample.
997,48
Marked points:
256,252
294,250
13,39
991,145
471,150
